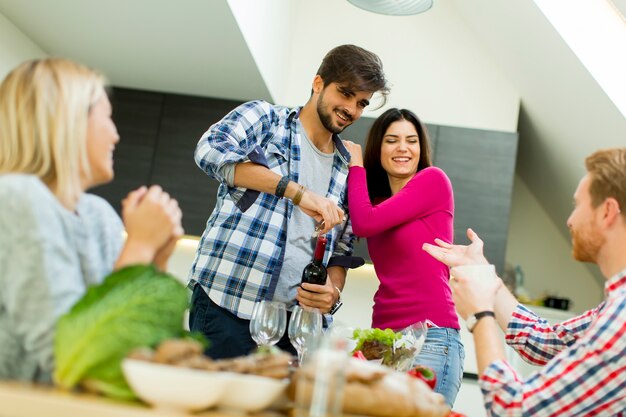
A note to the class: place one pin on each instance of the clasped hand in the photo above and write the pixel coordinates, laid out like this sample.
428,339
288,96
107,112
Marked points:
153,222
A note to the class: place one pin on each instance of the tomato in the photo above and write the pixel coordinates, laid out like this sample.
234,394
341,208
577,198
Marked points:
424,373
359,355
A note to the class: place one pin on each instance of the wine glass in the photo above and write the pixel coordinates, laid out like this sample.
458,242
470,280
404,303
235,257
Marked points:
305,326
268,322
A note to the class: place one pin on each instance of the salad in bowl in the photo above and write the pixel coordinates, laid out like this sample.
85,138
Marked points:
393,349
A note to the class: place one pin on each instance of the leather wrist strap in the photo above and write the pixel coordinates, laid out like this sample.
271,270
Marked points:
282,187
479,316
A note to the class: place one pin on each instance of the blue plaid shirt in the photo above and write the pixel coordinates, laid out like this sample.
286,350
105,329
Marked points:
240,255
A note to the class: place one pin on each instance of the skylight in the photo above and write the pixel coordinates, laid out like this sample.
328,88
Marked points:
596,31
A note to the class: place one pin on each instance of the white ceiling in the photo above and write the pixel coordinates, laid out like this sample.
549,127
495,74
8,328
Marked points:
196,47
189,46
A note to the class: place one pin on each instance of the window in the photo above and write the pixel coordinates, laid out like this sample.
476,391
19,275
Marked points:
595,30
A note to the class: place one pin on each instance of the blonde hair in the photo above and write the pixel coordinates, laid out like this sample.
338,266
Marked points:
44,108
607,170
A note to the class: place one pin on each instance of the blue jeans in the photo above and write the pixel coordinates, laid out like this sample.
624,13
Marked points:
443,352
228,335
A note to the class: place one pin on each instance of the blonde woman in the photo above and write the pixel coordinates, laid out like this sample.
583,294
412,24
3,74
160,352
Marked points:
56,141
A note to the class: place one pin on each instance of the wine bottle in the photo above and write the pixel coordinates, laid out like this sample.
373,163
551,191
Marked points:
315,271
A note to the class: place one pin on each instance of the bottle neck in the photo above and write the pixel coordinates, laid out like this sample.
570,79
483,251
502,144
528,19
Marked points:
320,247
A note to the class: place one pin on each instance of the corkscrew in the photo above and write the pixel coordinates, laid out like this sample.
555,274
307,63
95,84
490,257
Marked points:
318,228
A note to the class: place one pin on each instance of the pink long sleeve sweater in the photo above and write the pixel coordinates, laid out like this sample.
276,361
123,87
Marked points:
413,285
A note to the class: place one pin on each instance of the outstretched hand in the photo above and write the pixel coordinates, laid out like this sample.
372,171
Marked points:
455,255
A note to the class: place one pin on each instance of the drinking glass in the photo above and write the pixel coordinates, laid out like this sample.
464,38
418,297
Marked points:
486,271
305,326
268,322
320,381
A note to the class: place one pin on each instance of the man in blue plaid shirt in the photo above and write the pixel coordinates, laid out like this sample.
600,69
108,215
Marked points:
282,175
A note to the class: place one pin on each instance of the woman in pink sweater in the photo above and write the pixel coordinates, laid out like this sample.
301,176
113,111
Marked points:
401,203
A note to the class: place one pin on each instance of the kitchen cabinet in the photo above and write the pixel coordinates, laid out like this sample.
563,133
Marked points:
481,166
183,121
137,116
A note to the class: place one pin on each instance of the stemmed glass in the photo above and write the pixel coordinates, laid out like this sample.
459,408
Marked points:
268,322
305,326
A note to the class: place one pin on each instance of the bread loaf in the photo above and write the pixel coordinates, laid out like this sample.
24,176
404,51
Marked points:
375,390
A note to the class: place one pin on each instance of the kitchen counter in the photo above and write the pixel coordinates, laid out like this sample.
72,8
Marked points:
27,400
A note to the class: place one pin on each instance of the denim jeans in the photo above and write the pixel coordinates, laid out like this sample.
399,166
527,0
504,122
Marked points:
228,335
443,352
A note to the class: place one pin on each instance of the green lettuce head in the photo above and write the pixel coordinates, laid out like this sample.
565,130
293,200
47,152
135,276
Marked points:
134,306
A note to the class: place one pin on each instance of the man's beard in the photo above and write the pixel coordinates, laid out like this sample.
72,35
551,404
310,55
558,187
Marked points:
586,244
327,118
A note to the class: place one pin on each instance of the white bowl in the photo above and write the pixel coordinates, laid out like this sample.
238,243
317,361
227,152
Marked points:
173,387
252,393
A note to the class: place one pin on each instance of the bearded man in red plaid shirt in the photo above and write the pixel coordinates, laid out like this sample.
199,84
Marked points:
584,358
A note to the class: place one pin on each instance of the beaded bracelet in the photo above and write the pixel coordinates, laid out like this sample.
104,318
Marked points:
298,197
282,187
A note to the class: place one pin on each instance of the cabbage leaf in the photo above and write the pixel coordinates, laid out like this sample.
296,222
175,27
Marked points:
134,306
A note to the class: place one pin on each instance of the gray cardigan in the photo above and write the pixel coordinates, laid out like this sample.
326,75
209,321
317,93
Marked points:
48,258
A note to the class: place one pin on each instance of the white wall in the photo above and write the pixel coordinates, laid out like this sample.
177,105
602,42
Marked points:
436,65
266,26
15,47
537,245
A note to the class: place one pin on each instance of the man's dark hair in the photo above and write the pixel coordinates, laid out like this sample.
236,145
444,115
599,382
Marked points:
355,67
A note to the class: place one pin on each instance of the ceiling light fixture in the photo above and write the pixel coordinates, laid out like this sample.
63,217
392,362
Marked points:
394,7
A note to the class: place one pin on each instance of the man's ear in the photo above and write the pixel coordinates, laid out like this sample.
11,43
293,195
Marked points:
318,84
611,211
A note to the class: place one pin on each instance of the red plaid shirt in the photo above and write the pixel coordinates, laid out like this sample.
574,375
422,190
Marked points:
584,358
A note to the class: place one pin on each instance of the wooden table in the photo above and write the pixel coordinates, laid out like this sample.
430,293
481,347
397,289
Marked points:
27,400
